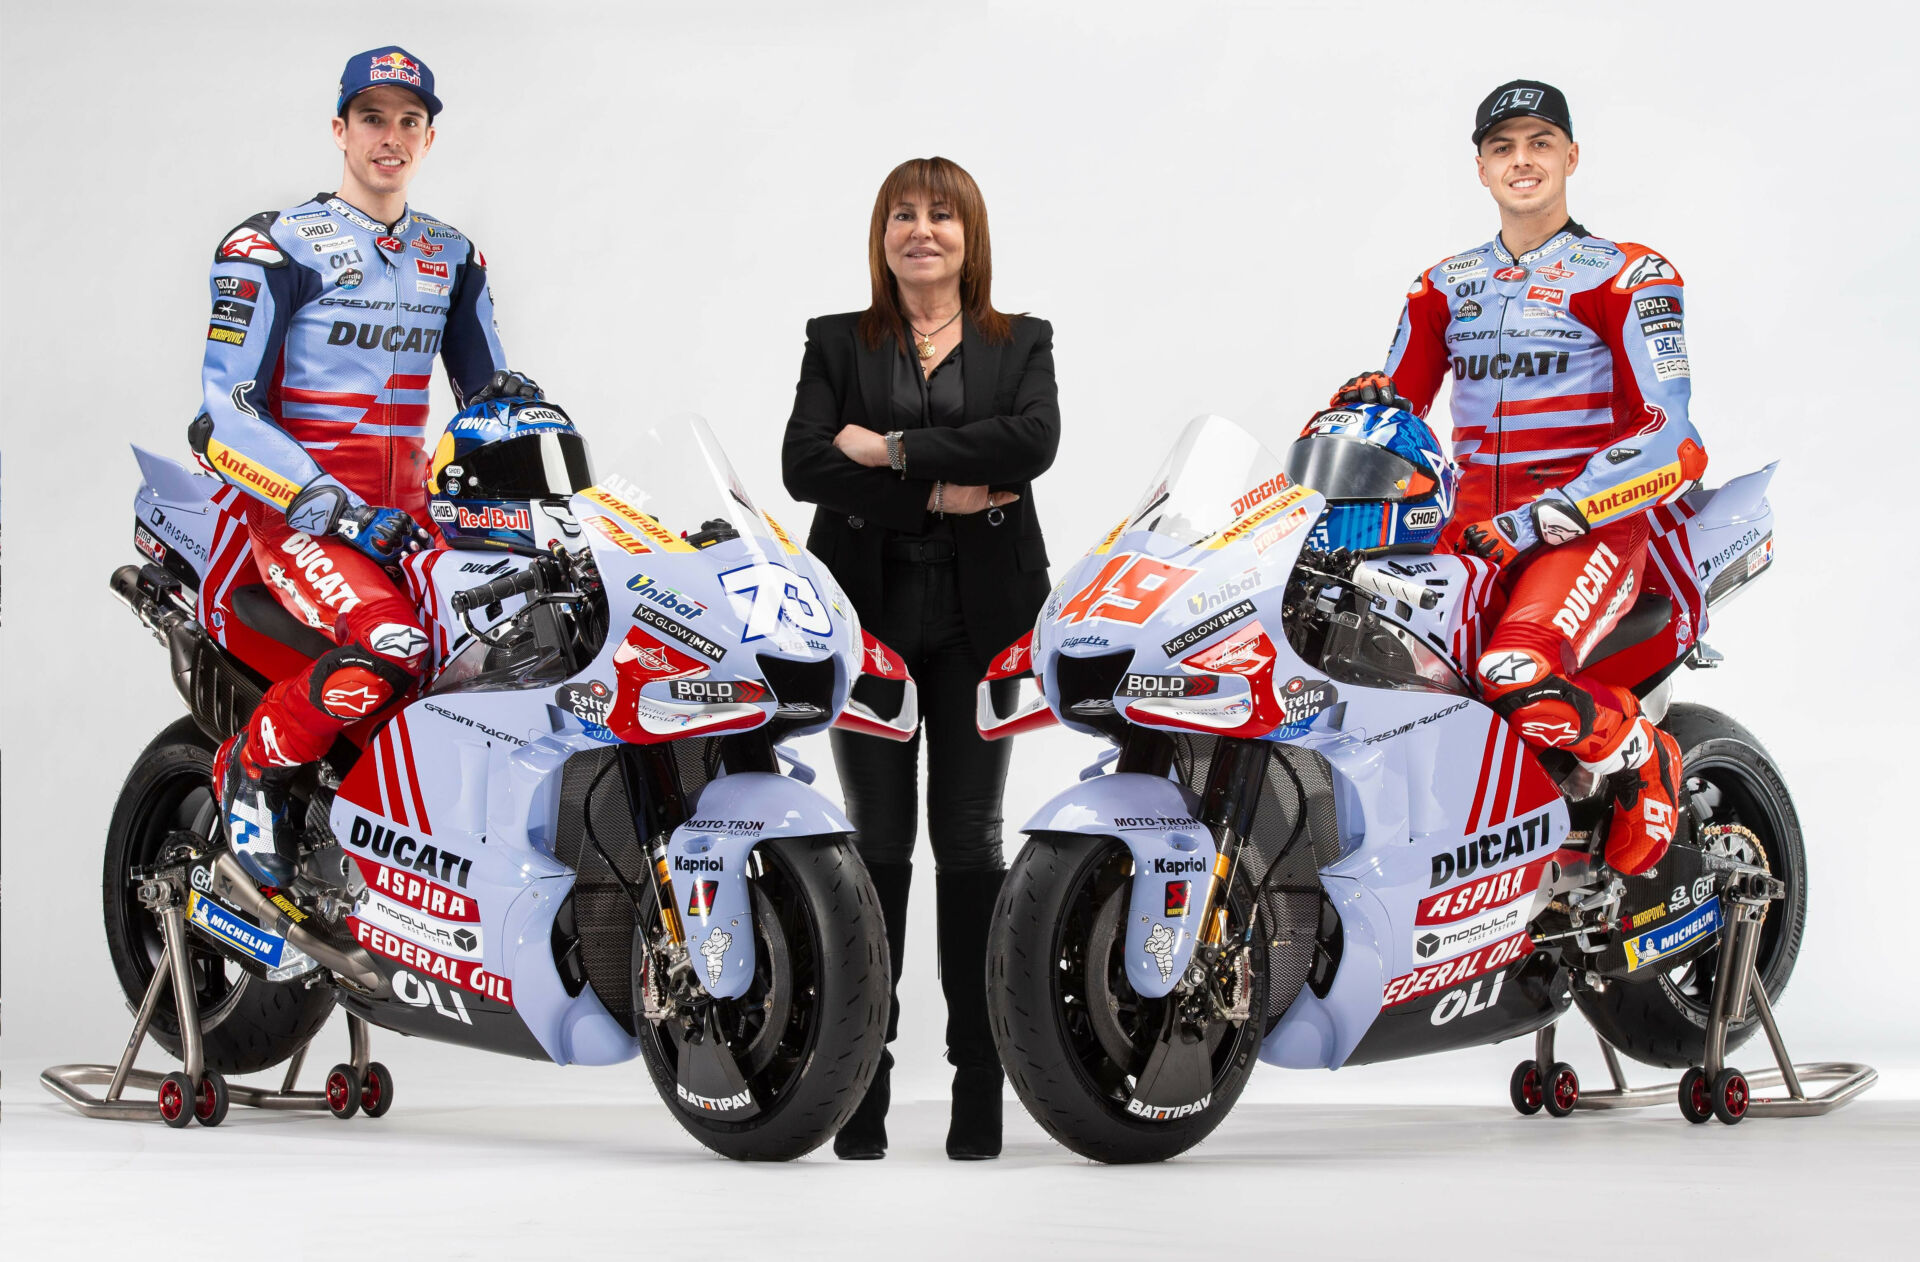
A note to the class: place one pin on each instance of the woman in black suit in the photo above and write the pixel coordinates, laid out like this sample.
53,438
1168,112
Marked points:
918,427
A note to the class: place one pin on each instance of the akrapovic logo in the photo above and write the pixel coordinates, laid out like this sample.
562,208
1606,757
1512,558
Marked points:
1154,1113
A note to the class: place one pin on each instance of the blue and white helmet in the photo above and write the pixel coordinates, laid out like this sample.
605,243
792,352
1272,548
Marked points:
1383,474
502,473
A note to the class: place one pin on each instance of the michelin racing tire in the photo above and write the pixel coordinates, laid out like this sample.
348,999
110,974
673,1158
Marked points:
1046,928
1663,1021
246,1024
809,1031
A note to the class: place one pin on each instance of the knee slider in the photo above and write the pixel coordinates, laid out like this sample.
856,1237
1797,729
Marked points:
1553,712
351,683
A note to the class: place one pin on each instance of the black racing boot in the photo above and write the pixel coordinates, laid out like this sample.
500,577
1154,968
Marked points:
966,902
254,805
864,1137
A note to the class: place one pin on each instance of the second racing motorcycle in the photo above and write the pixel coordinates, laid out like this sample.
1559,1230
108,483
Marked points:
583,842
1309,843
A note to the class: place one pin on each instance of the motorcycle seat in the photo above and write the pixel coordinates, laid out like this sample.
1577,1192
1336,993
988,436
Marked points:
259,611
1648,618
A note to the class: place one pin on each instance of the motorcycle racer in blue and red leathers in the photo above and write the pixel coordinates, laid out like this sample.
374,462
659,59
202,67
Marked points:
1570,390
326,320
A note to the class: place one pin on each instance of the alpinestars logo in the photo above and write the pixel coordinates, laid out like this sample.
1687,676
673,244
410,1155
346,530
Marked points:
398,640
1509,667
1645,270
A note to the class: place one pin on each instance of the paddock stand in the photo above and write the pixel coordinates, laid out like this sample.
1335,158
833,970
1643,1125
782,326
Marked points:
195,1092
1715,1089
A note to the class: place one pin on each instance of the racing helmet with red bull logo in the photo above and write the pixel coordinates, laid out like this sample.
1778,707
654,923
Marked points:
1386,481
502,473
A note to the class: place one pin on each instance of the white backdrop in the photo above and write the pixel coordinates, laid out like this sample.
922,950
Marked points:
1218,206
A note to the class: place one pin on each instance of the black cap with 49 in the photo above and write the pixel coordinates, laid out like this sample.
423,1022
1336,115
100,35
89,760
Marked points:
1522,98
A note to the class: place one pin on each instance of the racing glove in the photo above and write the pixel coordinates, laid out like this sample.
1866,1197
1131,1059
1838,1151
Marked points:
385,534
1500,539
506,385
1549,520
1370,388
326,507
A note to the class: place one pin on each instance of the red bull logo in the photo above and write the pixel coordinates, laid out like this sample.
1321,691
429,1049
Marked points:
492,518
390,67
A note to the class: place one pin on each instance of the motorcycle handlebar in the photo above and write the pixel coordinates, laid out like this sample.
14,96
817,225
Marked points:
492,593
1391,588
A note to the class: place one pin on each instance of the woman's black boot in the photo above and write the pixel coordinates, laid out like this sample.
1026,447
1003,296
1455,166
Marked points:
864,1137
966,902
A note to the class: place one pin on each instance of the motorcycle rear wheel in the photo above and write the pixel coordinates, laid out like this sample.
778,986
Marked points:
808,1032
1663,1021
246,1024
1046,996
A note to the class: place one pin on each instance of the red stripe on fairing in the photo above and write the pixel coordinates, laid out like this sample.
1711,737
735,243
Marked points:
1565,403
1680,578
1535,789
433,604
413,774
390,794
1509,758
1486,774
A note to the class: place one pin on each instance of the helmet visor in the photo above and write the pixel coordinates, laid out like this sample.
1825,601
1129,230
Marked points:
1348,469
528,467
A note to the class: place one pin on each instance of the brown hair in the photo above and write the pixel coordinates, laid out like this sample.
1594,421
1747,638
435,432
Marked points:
940,180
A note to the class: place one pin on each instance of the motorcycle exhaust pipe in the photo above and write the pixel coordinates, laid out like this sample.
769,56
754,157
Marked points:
352,965
219,696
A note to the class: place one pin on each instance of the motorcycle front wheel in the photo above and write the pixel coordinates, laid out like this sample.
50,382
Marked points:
808,1032
1072,1032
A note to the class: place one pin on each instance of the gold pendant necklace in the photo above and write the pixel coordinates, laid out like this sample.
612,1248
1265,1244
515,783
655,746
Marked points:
925,345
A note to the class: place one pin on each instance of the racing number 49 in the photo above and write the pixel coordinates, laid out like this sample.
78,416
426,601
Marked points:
1130,588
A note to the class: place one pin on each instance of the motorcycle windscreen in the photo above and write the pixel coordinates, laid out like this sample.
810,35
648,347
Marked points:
1215,473
719,617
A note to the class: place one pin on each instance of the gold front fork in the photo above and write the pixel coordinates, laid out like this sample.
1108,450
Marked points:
1215,926
669,913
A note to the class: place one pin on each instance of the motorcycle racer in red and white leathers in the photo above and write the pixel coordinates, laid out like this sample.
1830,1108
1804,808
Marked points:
325,324
1569,403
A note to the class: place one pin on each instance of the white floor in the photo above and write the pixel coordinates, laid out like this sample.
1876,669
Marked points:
522,1161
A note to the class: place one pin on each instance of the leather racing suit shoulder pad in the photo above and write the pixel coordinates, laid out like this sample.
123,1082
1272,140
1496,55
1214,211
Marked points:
252,242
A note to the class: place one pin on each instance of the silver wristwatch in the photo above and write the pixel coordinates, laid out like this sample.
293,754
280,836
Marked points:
896,453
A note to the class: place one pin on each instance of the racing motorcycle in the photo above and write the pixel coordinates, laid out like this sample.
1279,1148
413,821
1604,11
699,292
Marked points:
583,841
1311,844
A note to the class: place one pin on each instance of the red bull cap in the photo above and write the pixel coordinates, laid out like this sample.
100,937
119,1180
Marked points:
391,65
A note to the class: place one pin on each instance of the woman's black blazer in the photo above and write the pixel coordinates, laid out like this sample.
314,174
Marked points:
1009,432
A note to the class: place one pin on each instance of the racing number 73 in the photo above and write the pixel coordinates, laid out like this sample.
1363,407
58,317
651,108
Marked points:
764,593
1129,588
